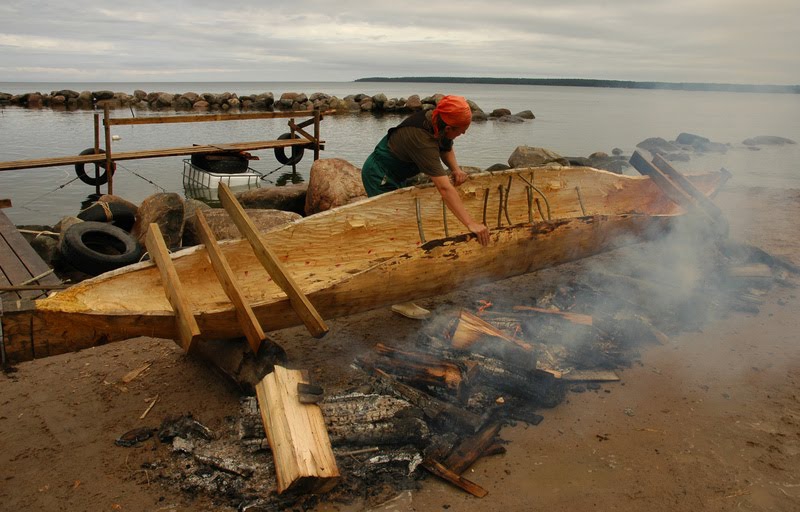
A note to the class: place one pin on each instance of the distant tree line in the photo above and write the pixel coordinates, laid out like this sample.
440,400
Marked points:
589,82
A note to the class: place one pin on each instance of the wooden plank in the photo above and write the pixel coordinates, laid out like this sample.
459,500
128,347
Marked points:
153,153
700,198
203,118
305,310
19,262
670,188
252,329
301,448
187,325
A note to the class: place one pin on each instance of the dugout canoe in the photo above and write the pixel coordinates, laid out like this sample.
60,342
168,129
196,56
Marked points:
396,247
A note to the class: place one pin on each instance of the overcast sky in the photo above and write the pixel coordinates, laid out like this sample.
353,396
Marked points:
727,41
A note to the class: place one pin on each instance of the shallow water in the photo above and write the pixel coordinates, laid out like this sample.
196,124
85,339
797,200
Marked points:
571,121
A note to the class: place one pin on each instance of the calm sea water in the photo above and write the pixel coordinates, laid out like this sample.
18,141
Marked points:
571,121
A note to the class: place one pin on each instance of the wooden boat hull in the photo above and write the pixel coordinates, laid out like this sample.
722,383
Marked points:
396,247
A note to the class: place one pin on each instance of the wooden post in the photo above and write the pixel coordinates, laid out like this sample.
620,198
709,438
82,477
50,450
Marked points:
305,310
107,127
301,448
317,119
252,329
187,325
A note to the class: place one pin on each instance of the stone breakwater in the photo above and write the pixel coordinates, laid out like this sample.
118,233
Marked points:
289,101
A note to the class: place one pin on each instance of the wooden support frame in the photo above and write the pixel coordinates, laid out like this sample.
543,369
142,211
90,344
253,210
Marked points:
314,141
305,310
252,329
186,323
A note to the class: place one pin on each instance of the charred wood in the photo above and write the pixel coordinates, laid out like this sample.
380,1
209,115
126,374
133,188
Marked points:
472,448
442,413
351,420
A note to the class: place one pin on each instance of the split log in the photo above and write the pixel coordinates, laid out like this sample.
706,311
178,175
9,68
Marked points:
469,329
301,449
473,334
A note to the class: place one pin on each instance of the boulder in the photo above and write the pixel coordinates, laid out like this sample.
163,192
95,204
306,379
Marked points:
657,145
767,140
166,210
413,102
690,139
500,112
223,227
290,198
333,182
525,114
510,119
527,156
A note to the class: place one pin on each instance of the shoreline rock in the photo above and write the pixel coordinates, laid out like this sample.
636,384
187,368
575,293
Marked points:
67,99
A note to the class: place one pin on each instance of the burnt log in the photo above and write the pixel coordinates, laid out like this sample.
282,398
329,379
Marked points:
354,419
417,368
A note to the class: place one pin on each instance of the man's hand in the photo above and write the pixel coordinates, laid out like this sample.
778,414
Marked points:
458,176
481,231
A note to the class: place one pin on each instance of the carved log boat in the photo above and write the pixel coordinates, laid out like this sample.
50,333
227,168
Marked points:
396,247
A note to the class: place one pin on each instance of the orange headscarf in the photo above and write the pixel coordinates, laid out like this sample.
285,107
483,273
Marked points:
454,111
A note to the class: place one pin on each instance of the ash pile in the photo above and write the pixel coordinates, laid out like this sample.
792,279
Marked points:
437,403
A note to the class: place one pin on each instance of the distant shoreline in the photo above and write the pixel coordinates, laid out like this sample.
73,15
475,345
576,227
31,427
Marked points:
588,82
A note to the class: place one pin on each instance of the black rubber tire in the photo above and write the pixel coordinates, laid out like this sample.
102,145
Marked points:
297,151
97,247
102,179
221,163
118,214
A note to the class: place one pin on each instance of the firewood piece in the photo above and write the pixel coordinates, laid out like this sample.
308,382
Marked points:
471,449
442,472
434,408
470,328
418,368
304,459
575,318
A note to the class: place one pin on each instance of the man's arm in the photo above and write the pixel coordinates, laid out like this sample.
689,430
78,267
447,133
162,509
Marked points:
454,203
449,159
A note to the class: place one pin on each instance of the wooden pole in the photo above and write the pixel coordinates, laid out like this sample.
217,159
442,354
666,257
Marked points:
107,126
96,149
305,310
252,329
